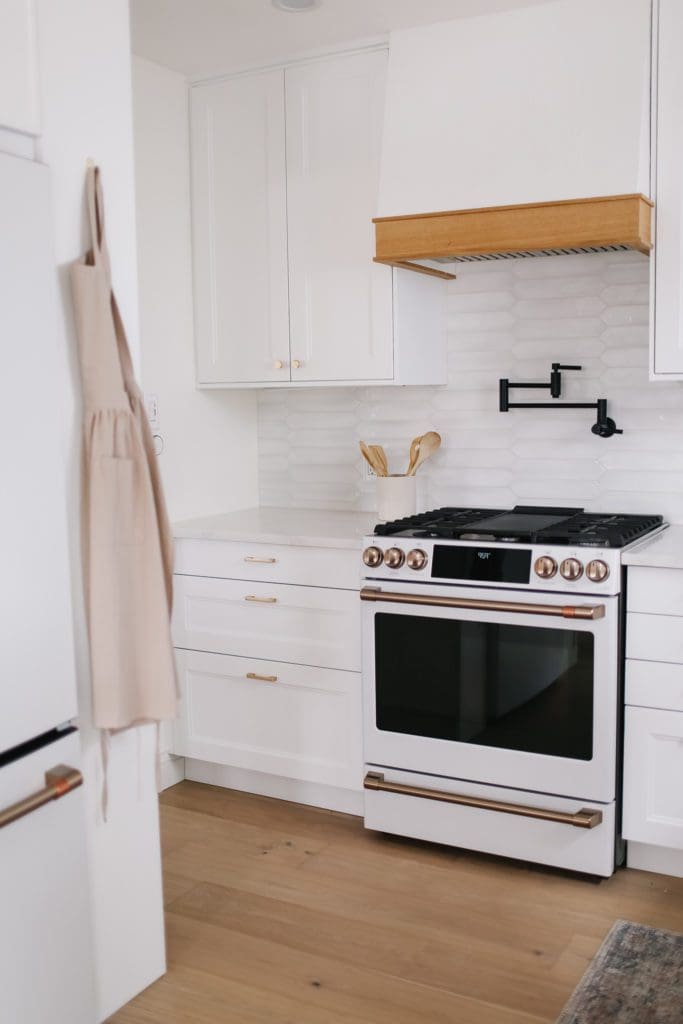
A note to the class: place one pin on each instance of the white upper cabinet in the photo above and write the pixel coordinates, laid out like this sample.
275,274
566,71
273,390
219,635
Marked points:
340,301
537,104
666,322
285,169
239,213
18,70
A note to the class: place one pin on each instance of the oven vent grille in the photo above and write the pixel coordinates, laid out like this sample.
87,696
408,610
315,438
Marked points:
526,254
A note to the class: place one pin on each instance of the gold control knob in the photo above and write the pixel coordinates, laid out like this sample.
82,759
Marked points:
278,364
597,570
571,569
373,557
394,558
416,559
545,567
296,364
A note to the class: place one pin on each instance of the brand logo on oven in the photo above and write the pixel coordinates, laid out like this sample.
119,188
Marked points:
483,555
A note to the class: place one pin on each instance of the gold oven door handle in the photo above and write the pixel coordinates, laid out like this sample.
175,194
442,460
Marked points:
585,818
580,611
58,782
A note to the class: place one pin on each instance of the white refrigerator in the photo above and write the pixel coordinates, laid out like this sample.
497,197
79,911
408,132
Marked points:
46,963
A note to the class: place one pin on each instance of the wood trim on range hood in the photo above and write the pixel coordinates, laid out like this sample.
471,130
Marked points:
508,232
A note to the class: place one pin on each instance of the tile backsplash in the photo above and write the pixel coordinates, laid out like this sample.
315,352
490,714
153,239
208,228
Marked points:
505,319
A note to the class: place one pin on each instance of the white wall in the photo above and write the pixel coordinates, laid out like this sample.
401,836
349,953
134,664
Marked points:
209,462
505,319
84,68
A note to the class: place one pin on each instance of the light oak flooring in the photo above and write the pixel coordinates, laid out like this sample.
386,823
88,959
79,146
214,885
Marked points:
282,914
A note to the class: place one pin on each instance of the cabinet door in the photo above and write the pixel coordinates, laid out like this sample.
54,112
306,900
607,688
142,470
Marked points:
653,769
340,301
666,323
18,81
240,230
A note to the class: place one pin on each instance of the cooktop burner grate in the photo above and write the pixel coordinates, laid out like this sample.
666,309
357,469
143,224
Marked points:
569,527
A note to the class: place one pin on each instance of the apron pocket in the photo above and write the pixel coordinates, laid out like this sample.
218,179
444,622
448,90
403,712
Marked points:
116,502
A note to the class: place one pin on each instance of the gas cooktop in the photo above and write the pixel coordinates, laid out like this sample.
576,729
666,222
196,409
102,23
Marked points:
525,524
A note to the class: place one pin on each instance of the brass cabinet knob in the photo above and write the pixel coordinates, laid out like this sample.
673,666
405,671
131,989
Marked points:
296,364
278,364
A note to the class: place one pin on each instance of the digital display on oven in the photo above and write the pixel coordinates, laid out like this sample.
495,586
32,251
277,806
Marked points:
482,565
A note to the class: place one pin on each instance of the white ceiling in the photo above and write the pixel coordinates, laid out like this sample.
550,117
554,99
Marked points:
205,37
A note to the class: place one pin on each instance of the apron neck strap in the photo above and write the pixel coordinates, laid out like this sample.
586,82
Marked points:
100,252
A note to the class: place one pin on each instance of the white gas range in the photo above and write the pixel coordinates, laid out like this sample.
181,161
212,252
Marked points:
492,675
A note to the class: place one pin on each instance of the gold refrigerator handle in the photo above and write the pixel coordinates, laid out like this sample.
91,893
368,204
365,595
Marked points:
581,611
585,818
59,781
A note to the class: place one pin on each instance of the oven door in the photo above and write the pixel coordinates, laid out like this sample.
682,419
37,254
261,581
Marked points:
501,687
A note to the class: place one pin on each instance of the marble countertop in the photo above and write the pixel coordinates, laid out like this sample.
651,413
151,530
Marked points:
308,527
665,551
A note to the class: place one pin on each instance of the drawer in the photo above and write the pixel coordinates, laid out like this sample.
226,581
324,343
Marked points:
655,591
289,720
301,625
653,769
654,684
271,563
654,637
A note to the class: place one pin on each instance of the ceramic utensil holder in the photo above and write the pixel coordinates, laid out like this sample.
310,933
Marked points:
396,497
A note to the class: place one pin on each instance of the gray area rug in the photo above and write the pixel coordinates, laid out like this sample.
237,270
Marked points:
636,977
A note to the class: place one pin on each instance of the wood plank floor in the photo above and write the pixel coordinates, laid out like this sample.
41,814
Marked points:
282,914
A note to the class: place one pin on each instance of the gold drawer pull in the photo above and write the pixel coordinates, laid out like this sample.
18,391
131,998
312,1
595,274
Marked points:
261,561
585,818
58,782
264,679
261,600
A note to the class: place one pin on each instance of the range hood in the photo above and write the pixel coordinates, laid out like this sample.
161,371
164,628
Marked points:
425,242
518,134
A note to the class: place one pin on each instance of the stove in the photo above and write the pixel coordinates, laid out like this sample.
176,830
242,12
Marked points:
536,547
493,667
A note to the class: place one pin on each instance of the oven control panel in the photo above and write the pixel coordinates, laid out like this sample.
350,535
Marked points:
521,566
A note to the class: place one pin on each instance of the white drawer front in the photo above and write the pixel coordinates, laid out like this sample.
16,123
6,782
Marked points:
653,777
303,724
655,591
654,637
654,684
301,625
276,563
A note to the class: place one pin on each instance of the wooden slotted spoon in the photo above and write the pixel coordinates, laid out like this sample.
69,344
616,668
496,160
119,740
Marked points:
429,443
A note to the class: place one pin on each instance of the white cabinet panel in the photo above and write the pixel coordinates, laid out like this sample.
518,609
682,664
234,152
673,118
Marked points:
340,301
655,591
290,720
653,774
240,229
271,563
654,637
45,941
652,684
666,323
18,70
301,625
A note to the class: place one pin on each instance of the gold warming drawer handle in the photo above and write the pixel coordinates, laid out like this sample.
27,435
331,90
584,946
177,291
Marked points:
260,600
263,679
581,611
585,818
58,782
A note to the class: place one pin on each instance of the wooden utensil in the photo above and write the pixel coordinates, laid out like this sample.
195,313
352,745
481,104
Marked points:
372,460
429,443
414,451
380,457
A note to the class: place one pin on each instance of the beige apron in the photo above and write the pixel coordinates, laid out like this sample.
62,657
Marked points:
128,557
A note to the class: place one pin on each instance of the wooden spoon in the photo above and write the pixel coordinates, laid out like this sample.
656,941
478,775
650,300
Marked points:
429,443
414,451
380,457
371,459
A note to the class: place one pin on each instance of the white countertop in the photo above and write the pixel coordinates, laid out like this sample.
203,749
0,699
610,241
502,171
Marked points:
309,527
665,551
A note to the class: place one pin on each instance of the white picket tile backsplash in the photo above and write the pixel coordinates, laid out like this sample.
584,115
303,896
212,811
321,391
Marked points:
502,322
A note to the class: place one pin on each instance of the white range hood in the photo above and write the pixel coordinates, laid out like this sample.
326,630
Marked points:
533,108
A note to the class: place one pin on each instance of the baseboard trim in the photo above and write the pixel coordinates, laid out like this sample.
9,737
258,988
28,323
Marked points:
660,859
348,801
171,771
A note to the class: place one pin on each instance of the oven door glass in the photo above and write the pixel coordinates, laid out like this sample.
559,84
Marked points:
517,687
